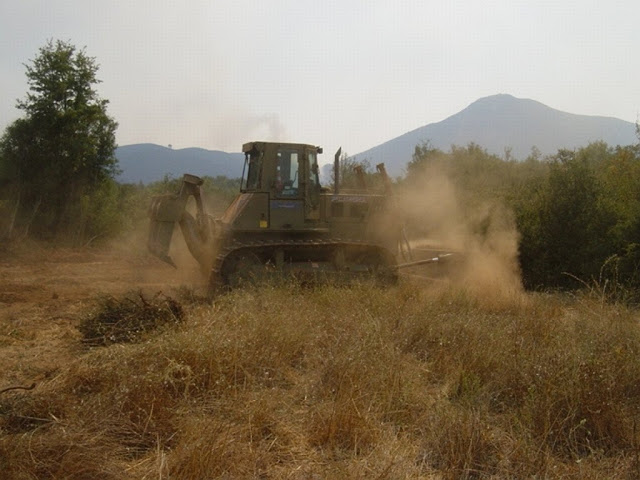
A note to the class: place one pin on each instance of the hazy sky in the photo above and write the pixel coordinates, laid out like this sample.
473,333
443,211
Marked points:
215,74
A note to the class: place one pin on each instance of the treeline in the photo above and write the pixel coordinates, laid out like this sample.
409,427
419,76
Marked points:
577,212
105,212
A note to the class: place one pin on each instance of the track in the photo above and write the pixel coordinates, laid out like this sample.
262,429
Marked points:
314,260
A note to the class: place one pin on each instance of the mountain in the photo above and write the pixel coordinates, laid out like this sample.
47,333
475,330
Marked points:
495,123
147,162
502,121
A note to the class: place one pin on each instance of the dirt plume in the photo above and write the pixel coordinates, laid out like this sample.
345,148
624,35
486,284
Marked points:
186,272
479,229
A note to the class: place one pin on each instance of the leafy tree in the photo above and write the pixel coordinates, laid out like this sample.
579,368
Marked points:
567,226
57,158
423,155
577,212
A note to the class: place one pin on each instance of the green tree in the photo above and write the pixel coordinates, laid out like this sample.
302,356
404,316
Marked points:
566,226
61,153
423,154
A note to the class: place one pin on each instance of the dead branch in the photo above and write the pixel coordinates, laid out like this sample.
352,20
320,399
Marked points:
18,387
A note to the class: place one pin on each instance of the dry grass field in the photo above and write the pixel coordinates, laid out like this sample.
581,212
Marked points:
416,381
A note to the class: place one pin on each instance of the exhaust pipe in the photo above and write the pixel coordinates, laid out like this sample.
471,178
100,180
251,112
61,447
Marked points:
336,171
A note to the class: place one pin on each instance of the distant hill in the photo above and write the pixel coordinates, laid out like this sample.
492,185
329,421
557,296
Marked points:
147,162
503,121
495,123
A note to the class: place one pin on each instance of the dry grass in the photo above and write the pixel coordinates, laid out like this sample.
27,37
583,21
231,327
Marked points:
362,382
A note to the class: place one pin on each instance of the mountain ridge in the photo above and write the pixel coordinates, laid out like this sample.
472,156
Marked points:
148,162
498,123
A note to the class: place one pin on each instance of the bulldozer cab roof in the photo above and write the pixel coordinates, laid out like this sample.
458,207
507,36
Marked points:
260,146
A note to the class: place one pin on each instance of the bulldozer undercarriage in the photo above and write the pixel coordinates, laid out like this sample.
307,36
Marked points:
313,261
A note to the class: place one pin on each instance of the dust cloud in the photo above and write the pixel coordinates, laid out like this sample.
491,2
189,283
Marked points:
152,274
482,234
438,216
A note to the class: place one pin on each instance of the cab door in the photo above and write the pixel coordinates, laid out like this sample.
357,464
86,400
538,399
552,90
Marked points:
312,186
287,193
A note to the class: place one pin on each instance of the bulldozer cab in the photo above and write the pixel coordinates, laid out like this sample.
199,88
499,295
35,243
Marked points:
288,174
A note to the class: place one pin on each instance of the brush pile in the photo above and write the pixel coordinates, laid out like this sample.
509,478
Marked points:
127,319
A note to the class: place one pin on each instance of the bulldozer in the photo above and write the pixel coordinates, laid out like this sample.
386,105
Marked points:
284,223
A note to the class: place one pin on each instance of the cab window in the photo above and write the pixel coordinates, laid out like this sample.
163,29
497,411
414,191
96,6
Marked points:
287,167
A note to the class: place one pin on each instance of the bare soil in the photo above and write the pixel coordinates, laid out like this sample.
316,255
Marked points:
44,295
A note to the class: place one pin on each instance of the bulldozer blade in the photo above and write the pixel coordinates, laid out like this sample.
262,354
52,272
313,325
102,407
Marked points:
439,259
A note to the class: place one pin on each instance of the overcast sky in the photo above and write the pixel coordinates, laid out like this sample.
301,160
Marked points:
215,74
